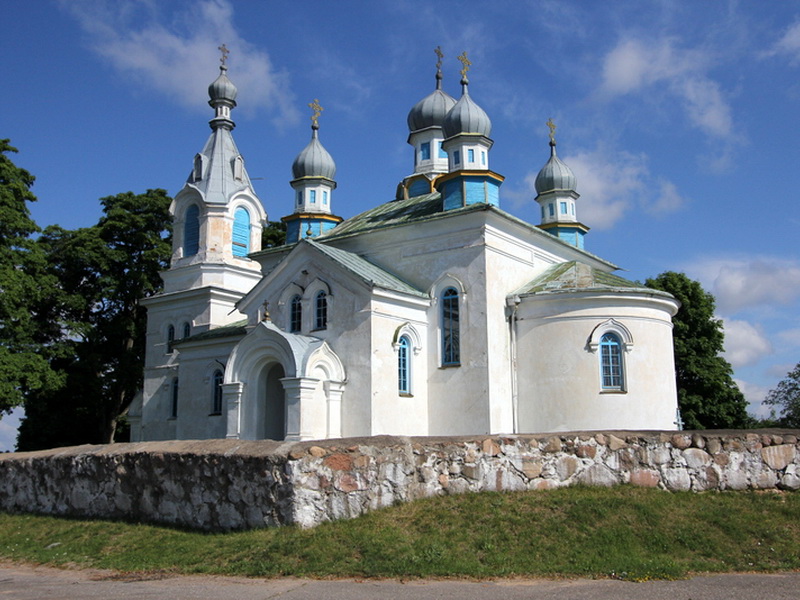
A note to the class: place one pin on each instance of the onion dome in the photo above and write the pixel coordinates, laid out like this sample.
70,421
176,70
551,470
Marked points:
555,175
314,160
432,109
466,116
222,90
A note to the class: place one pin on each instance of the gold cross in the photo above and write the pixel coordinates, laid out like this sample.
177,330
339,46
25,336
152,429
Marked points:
438,51
225,53
464,61
317,111
552,127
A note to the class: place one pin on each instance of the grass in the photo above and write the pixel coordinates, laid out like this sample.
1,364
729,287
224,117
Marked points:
624,532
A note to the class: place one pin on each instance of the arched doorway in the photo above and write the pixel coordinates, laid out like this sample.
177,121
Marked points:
274,403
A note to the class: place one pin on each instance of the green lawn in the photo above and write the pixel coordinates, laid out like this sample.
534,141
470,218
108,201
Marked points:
624,532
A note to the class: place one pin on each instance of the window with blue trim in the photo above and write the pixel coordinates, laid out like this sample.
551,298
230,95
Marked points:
442,153
404,365
321,310
611,369
456,157
552,209
451,340
295,314
170,338
425,151
299,197
173,408
563,208
241,232
216,395
325,197
483,158
191,231
471,155
312,196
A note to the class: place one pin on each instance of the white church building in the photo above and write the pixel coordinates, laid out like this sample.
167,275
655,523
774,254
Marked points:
436,313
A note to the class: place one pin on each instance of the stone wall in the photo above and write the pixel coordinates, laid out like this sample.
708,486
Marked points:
231,484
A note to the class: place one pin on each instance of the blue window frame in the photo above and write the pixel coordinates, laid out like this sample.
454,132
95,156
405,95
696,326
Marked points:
173,405
442,153
404,365
563,208
325,197
216,396
611,369
170,338
241,232
451,340
552,209
483,158
456,157
471,155
295,314
321,310
425,151
299,197
191,231
312,196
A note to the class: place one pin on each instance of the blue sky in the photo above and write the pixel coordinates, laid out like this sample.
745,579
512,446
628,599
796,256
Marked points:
680,120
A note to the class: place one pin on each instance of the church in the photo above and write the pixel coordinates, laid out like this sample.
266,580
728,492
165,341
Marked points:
436,313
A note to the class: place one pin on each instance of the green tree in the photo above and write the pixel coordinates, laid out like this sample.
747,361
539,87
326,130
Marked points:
23,279
274,234
787,397
708,397
95,321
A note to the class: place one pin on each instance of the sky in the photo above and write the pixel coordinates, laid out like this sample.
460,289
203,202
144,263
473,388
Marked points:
680,120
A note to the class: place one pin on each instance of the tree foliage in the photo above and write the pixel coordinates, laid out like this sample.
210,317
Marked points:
787,397
274,234
708,397
23,279
93,322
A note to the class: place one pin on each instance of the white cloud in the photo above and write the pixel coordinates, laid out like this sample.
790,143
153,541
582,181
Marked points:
745,282
668,199
178,55
745,344
634,66
788,44
755,394
790,337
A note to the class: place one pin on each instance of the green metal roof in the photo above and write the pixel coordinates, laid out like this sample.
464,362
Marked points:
234,329
369,272
574,275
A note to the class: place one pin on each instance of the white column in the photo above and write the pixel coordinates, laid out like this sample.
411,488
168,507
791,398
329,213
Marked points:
299,403
333,393
232,397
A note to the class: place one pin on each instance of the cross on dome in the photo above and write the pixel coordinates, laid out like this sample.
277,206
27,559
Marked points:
315,106
466,64
552,127
225,53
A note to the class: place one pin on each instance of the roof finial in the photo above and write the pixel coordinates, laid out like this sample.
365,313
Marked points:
465,66
552,127
225,53
439,55
315,106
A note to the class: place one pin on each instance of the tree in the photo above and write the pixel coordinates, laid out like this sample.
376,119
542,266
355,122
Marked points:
95,321
274,234
23,362
707,395
787,396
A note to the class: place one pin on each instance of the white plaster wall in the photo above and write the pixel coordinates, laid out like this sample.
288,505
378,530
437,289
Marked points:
559,377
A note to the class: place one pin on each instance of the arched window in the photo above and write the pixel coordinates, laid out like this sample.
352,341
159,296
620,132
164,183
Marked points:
611,370
187,330
321,310
191,231
295,314
216,399
404,365
170,338
241,232
451,339
173,410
